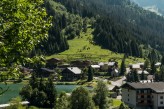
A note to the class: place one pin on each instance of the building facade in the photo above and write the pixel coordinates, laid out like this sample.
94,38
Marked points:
71,74
144,95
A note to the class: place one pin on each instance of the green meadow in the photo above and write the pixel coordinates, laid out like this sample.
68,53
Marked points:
83,47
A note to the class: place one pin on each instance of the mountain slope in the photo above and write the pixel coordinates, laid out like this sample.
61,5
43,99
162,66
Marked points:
83,47
136,24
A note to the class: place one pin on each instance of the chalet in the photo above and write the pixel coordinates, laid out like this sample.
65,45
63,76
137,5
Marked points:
135,66
71,74
53,62
114,73
158,64
105,66
96,67
114,90
81,63
149,95
146,73
45,72
26,71
150,77
63,66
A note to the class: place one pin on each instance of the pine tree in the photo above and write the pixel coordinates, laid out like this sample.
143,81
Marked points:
33,81
90,74
142,76
153,68
128,77
157,77
123,67
162,73
51,93
162,60
135,76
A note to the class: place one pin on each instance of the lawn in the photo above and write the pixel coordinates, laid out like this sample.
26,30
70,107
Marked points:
82,47
116,103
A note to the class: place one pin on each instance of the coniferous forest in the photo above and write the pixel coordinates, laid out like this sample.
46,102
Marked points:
119,25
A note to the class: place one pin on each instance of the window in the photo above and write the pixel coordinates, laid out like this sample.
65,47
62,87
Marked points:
128,94
128,99
142,96
161,97
148,96
138,91
142,91
145,91
142,101
161,102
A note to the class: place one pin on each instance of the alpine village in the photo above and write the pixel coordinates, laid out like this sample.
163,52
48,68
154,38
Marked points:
81,54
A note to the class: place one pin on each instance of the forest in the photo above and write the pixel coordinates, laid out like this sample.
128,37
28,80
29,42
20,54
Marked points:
119,25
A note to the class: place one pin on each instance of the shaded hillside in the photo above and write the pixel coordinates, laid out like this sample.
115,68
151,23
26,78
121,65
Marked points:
65,26
120,24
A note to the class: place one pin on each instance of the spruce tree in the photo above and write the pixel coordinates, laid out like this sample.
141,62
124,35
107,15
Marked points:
90,74
135,76
51,93
153,68
162,60
162,73
157,77
123,67
142,76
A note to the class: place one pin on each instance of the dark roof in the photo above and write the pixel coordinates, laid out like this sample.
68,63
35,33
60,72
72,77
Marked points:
48,70
156,86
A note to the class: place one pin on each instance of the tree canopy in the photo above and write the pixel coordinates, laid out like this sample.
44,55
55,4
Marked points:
23,24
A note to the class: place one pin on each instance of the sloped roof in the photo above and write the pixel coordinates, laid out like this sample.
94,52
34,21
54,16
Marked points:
101,64
156,86
48,70
158,64
75,70
150,77
140,72
135,66
111,87
111,63
95,66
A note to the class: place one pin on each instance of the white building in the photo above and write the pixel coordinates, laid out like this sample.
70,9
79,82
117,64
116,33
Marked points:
144,95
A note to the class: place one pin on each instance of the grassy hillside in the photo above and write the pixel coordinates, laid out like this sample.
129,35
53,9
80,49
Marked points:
83,47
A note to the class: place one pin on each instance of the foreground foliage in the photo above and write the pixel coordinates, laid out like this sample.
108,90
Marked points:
40,93
23,24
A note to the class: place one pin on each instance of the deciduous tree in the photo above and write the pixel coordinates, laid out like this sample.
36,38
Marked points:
23,24
101,94
81,99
